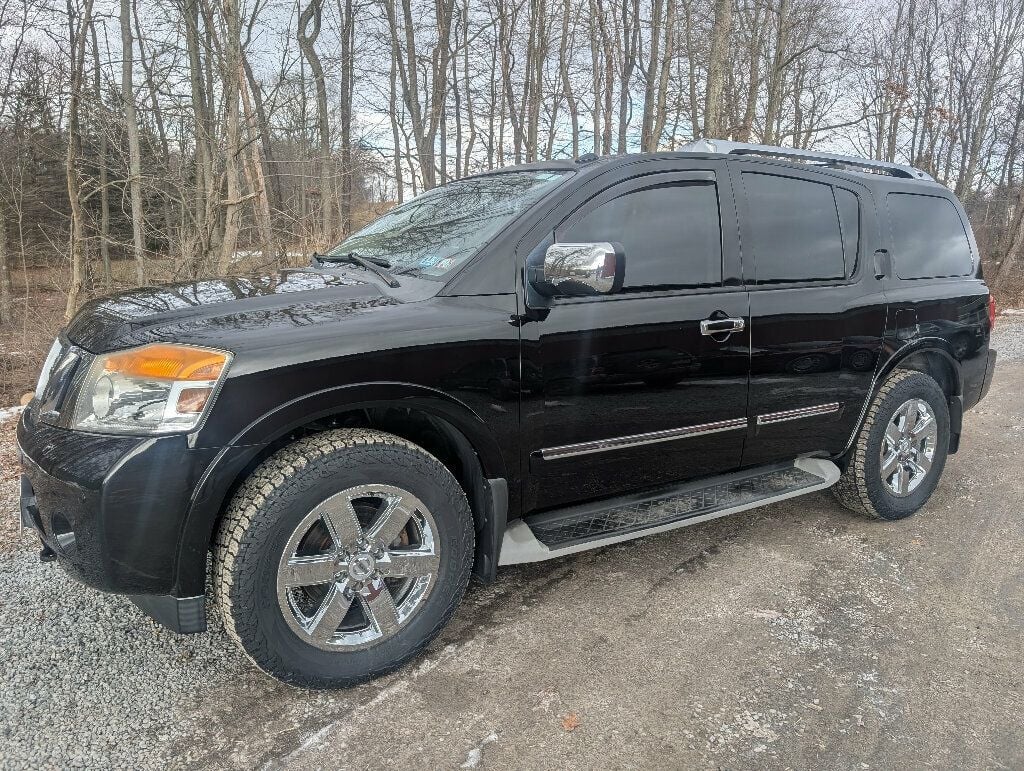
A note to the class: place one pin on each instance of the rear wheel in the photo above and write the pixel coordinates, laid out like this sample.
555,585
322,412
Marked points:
900,451
342,556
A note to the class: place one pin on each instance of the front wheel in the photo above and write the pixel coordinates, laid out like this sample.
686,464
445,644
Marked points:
900,450
342,556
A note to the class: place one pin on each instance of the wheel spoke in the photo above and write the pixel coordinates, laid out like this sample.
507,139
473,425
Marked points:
924,422
889,464
380,607
911,413
407,563
330,614
309,571
391,521
923,463
339,515
892,434
902,480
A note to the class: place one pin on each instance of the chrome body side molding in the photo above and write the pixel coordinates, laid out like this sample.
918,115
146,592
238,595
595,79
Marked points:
636,440
801,412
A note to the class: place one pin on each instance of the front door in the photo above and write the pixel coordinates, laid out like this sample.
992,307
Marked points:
626,392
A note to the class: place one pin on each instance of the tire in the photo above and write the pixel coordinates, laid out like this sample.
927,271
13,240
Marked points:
862,488
340,484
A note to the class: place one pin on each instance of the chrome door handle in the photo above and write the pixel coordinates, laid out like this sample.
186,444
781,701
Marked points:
711,327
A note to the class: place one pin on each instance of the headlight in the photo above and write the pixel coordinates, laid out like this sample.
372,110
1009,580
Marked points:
155,389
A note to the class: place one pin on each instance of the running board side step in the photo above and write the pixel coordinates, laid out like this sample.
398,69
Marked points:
589,526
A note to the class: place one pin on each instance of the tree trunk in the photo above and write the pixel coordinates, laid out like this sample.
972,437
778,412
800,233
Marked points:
566,81
203,152
648,139
716,69
134,149
776,75
74,151
101,161
1011,268
5,274
393,114
345,118
232,134
313,14
257,182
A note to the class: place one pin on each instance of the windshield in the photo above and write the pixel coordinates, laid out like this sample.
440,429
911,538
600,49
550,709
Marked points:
441,229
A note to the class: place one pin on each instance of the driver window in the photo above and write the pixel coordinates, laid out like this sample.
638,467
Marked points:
671,234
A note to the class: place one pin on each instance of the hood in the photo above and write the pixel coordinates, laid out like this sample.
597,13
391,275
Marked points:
219,312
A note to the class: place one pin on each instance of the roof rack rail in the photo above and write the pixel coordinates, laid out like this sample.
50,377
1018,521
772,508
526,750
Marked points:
845,162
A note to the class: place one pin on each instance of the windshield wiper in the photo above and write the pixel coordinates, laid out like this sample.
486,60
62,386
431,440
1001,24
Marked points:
374,265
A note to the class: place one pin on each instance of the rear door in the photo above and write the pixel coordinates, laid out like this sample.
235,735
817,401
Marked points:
817,311
624,392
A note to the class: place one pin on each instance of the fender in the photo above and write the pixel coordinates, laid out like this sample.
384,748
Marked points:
220,476
935,345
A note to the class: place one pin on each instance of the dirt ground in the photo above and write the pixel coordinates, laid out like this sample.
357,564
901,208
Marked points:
794,636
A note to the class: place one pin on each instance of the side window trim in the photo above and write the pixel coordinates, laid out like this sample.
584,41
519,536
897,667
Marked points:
851,269
657,178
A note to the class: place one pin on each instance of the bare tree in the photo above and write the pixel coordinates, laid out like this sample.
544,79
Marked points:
310,22
134,150
716,68
74,151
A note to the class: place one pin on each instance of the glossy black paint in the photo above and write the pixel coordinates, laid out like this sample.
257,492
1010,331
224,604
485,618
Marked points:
503,373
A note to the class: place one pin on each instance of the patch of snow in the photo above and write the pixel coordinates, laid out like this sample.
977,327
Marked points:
476,754
9,412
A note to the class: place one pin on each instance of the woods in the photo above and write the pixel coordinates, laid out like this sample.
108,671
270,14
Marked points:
146,141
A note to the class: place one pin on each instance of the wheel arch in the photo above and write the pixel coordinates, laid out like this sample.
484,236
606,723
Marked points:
443,426
933,357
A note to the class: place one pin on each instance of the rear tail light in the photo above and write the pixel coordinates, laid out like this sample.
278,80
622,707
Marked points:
991,312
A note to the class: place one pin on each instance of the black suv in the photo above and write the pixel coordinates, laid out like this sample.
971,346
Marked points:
520,365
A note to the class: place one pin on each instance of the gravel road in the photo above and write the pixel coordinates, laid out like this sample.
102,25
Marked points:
797,635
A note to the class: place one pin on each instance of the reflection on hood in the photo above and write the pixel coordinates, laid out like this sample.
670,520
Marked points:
214,309
147,301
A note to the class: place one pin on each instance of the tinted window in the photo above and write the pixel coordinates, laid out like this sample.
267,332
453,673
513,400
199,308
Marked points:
849,221
929,237
671,234
794,227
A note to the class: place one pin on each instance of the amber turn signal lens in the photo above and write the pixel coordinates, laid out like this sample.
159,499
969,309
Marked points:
193,400
168,362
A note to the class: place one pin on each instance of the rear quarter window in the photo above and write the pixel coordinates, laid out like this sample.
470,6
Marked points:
929,238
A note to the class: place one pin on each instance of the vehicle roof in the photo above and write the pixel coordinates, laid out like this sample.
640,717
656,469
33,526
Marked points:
871,172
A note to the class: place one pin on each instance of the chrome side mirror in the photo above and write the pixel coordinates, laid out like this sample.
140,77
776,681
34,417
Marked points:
579,270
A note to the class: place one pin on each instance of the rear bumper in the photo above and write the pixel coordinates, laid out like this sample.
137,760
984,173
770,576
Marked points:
990,369
111,510
977,376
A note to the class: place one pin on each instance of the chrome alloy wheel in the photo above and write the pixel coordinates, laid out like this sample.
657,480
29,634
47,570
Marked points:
357,567
908,447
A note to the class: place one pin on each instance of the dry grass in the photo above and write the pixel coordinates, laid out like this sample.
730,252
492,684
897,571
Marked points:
10,469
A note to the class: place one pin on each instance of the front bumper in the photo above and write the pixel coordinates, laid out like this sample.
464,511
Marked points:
111,510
